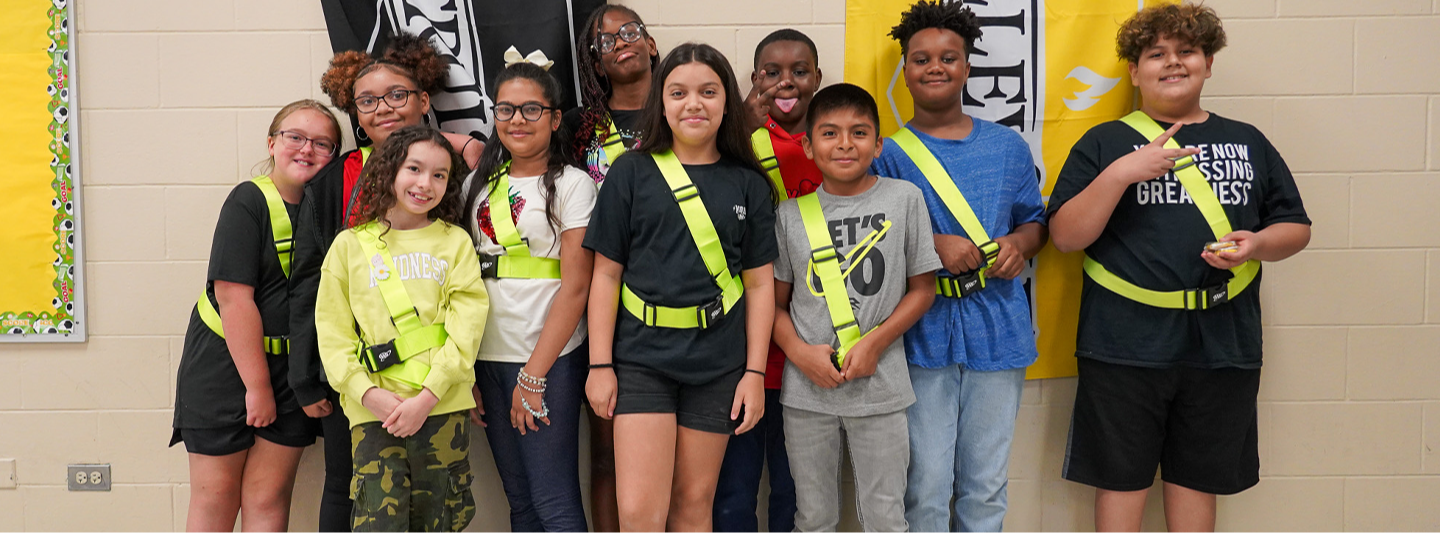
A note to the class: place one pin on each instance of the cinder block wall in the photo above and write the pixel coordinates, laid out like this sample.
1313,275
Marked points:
175,97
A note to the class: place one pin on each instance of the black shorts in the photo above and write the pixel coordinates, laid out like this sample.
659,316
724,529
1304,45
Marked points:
1198,425
704,407
294,429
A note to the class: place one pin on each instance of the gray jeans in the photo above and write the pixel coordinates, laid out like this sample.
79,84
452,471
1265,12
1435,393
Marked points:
879,449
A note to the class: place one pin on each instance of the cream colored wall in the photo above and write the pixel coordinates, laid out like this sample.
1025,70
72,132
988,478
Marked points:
175,96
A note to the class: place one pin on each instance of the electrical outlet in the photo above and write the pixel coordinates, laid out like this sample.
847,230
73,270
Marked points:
89,477
7,473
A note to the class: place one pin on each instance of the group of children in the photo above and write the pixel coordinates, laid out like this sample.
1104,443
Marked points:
766,281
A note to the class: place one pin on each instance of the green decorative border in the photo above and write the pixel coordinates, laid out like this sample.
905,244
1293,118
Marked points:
64,319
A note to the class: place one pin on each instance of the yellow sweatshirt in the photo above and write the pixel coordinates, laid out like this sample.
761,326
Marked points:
441,273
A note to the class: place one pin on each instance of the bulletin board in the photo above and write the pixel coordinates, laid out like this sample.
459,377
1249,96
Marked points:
41,265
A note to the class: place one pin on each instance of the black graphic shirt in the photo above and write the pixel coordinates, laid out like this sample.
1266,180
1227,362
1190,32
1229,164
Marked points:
627,124
638,224
1154,239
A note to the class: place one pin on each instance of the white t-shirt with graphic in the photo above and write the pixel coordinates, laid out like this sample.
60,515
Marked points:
518,307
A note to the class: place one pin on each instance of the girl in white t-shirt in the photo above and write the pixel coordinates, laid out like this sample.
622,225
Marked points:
527,210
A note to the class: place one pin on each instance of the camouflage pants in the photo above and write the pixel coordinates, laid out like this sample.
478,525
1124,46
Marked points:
419,483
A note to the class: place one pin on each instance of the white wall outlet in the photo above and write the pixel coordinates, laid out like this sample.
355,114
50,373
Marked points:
89,477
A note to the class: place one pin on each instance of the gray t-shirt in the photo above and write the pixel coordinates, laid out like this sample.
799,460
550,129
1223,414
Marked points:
876,286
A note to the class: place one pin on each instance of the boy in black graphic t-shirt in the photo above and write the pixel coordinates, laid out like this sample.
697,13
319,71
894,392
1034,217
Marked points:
1169,336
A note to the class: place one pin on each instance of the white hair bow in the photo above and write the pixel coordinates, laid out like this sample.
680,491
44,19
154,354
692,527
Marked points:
537,58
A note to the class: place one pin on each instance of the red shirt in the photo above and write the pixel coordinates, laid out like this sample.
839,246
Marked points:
801,177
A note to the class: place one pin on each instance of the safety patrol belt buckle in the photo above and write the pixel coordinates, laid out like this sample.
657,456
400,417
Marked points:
967,283
380,356
489,266
1213,296
707,314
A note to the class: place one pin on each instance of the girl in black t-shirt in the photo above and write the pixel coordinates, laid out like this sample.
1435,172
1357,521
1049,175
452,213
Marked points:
234,408
614,80
677,390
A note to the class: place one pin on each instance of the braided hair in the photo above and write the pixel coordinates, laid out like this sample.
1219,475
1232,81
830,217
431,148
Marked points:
595,89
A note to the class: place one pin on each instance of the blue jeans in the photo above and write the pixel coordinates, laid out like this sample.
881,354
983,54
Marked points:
961,426
739,486
540,470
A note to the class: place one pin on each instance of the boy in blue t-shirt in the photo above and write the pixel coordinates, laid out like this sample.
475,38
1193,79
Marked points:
968,354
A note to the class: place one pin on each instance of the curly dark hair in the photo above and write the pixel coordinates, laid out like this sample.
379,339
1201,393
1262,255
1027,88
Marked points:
377,180
951,16
407,55
733,140
594,88
1196,25
496,156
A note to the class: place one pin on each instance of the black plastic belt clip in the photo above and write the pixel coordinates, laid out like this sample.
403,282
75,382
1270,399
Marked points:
489,265
1209,297
964,284
380,356
707,314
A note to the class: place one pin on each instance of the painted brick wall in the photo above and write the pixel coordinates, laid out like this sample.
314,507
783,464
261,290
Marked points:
175,97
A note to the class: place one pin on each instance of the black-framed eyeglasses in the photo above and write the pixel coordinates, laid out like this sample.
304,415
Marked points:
396,99
629,32
296,141
531,111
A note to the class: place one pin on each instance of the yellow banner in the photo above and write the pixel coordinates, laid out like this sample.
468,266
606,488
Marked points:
1046,68
36,193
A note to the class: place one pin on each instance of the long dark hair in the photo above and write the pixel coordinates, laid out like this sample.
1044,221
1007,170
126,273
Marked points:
732,140
496,156
377,180
595,90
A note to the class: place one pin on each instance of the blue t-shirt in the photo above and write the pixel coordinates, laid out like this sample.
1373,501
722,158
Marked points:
991,329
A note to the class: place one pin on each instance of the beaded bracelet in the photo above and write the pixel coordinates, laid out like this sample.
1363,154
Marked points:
540,382
542,413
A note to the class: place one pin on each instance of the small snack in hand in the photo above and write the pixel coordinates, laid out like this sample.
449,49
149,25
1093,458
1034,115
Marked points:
1222,247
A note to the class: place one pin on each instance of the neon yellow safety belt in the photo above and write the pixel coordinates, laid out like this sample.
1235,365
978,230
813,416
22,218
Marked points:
707,241
392,359
765,150
825,259
282,233
1199,189
944,187
614,145
517,261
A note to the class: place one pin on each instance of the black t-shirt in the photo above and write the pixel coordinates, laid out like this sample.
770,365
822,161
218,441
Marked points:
208,389
627,124
638,224
1154,239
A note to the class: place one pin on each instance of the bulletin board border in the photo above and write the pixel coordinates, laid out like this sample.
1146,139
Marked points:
67,323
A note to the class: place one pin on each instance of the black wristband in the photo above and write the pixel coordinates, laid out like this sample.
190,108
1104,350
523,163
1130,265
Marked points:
762,373
594,366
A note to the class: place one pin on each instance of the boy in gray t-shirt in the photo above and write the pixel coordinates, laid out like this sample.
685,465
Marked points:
881,233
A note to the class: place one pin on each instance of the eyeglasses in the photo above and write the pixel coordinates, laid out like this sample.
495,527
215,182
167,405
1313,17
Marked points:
531,112
396,99
629,32
296,141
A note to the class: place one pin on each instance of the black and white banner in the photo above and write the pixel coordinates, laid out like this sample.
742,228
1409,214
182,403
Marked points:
472,35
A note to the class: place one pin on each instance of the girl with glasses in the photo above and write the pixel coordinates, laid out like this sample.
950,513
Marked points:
384,95
234,408
527,210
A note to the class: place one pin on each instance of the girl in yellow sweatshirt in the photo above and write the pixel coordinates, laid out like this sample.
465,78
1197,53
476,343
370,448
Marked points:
399,316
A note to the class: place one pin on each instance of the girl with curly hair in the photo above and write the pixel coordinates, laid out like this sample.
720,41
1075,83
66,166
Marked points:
399,316
385,94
